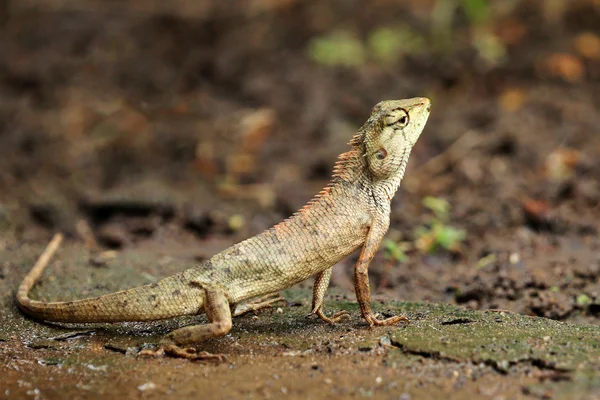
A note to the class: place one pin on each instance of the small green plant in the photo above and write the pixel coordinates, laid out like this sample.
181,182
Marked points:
339,48
479,16
478,11
388,45
437,233
483,262
385,45
583,299
395,251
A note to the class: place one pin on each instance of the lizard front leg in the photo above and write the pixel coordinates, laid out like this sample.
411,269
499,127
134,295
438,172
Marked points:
361,277
321,283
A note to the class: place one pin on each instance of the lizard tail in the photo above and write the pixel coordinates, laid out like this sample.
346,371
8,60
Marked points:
167,298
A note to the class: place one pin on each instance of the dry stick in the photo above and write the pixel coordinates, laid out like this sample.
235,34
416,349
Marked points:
39,266
435,165
85,232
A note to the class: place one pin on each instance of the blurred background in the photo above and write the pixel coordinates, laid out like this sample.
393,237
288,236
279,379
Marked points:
186,126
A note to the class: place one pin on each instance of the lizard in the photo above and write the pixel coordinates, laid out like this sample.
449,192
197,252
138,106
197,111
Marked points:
351,212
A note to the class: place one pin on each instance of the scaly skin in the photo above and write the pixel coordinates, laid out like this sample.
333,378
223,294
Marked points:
352,211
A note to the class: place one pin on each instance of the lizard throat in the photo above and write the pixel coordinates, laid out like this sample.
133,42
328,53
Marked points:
389,185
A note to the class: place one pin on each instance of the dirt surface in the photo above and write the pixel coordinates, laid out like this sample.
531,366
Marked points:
445,351
167,133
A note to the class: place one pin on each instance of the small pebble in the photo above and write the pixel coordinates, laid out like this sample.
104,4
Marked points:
514,258
147,386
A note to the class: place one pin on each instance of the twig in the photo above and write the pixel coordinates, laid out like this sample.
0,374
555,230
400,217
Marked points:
85,232
456,151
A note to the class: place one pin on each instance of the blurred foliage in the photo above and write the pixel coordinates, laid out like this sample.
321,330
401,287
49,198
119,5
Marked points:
478,11
388,45
437,233
338,48
385,45
583,299
439,206
483,262
489,47
479,16
395,251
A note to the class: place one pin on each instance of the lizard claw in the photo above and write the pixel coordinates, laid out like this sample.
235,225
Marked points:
189,353
160,352
335,318
373,321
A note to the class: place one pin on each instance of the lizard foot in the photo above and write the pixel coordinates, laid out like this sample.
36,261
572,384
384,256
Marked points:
154,353
189,353
261,303
373,321
335,318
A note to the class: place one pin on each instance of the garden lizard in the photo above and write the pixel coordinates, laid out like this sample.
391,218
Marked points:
352,211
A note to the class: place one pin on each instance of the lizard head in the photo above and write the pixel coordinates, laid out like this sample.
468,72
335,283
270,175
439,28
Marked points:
391,132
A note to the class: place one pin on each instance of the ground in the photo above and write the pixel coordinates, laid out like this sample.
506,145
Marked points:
156,136
445,351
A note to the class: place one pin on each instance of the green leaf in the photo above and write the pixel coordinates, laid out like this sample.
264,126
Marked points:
583,299
439,206
449,237
477,11
340,48
394,251
385,44
487,260
389,44
490,48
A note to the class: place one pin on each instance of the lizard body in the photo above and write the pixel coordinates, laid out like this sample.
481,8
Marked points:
352,211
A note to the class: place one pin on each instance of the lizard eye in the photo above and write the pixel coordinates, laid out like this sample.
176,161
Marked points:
397,117
381,154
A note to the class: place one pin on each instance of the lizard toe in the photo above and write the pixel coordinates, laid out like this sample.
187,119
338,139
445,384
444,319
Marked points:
190,353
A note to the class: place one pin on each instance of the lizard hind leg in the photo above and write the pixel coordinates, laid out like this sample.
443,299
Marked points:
219,314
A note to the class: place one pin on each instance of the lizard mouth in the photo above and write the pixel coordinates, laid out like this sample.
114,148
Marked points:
427,103
422,103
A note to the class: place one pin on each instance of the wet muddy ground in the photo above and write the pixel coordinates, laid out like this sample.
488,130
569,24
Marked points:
166,135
